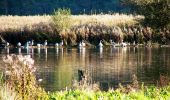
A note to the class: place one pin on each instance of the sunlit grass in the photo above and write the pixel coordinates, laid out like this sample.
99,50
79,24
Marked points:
109,20
150,93
17,23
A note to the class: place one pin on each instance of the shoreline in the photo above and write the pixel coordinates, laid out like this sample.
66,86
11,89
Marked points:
89,46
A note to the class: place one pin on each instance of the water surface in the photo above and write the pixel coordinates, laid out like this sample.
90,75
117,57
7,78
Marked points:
58,67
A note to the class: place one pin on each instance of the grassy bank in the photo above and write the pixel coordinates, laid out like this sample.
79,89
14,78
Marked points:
148,93
90,28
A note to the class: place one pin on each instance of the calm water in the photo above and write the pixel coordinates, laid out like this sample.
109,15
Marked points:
109,66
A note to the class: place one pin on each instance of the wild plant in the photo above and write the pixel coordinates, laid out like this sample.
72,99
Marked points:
62,19
20,76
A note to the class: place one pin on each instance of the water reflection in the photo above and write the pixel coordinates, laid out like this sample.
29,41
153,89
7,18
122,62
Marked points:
58,67
19,51
7,50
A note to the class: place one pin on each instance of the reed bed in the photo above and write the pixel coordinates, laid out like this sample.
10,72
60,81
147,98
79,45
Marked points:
90,28
109,20
17,23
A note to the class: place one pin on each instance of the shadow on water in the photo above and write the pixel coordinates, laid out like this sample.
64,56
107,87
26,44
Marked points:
58,67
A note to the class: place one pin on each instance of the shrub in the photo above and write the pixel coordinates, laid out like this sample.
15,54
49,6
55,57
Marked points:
20,76
61,19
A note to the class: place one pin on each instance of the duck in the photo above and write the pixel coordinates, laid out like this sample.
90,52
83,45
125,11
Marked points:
100,44
32,42
82,44
112,43
61,43
38,45
27,44
56,44
19,44
45,43
7,44
123,44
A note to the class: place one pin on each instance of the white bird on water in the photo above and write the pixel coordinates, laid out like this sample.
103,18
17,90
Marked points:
100,44
27,45
82,44
45,43
38,45
32,42
123,44
7,44
113,44
61,43
19,44
56,45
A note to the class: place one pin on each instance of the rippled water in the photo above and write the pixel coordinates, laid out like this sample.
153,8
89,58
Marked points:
58,67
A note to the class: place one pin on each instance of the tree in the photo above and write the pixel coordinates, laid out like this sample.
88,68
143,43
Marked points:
61,19
156,12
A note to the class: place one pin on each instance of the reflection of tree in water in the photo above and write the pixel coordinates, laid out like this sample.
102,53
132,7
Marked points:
59,68
152,62
114,67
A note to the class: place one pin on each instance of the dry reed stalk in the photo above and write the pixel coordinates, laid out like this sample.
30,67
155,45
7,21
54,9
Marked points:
18,23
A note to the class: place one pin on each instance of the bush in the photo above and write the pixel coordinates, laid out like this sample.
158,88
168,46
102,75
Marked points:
61,19
20,77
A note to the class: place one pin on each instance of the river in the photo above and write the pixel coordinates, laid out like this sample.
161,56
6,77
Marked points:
58,67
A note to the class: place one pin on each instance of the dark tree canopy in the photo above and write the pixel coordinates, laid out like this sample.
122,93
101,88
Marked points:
34,7
156,12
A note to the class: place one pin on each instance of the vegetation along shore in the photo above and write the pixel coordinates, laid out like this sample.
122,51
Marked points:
82,27
72,29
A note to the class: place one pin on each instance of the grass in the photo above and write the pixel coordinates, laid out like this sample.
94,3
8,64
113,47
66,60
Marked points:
108,20
16,23
149,93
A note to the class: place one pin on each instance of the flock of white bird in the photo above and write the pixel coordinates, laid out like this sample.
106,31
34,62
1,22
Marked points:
80,45
38,45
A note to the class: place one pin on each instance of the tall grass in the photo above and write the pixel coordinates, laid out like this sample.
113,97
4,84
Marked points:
17,23
40,28
108,20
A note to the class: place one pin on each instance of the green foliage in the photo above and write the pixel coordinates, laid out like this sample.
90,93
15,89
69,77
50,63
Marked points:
148,93
156,12
61,19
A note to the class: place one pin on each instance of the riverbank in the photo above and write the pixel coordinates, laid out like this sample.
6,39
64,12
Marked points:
89,28
122,93
16,29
